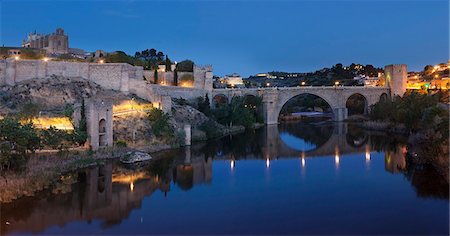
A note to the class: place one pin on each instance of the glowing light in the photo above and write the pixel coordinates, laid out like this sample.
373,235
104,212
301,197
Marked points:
303,83
303,162
16,58
267,163
61,123
336,83
267,84
336,159
436,76
131,186
336,156
232,164
45,59
101,61
367,156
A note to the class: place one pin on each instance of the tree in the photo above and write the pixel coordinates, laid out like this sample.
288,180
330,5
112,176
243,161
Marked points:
29,111
160,123
185,66
80,133
168,64
53,137
160,56
156,76
175,77
203,105
16,140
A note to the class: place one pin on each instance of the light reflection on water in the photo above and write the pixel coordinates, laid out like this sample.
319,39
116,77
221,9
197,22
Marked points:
252,183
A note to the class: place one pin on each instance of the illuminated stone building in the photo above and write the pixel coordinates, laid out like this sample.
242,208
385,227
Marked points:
55,43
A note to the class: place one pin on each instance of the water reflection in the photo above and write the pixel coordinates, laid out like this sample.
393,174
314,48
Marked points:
110,193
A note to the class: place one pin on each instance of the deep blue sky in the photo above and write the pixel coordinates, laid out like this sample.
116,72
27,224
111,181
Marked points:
246,37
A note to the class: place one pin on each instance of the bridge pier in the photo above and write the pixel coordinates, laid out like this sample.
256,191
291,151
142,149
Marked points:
340,114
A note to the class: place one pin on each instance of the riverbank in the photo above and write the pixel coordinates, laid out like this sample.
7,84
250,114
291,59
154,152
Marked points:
45,168
422,146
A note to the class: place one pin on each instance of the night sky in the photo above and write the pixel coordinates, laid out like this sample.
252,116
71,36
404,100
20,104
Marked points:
246,37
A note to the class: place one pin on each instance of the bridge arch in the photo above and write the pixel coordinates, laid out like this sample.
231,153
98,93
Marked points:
383,97
219,99
356,104
284,100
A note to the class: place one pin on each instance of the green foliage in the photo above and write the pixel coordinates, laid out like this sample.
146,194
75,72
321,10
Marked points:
236,113
80,134
160,123
155,75
210,128
203,105
28,111
416,111
185,66
121,143
168,64
27,53
54,138
121,57
149,58
181,101
16,140
68,111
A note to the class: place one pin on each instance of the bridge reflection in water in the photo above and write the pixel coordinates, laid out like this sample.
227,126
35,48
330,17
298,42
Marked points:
111,192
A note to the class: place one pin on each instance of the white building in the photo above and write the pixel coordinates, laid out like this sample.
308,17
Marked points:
233,80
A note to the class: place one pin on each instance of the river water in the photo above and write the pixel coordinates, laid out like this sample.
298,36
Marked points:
287,179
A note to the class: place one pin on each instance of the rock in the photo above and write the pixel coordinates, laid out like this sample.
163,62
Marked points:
135,156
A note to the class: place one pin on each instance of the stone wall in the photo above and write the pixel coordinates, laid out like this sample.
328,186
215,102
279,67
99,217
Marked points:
114,76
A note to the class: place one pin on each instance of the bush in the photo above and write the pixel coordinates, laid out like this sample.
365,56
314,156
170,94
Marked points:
54,138
121,143
160,123
16,140
185,66
210,128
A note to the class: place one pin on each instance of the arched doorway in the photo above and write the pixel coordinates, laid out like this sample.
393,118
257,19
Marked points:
102,133
356,104
305,107
219,99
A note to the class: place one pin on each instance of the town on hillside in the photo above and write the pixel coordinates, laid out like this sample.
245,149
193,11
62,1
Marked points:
55,46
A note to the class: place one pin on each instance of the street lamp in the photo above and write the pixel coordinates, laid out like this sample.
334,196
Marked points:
102,61
336,83
45,59
267,84
303,83
16,58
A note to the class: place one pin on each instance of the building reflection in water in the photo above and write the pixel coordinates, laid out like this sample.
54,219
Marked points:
109,193
395,161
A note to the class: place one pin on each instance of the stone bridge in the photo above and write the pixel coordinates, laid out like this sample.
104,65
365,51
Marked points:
275,98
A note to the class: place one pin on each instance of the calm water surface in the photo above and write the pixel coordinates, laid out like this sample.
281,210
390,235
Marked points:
287,179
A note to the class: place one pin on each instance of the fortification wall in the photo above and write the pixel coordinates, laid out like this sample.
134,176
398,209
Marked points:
109,75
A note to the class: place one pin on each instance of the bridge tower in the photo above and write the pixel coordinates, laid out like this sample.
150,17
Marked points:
396,76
